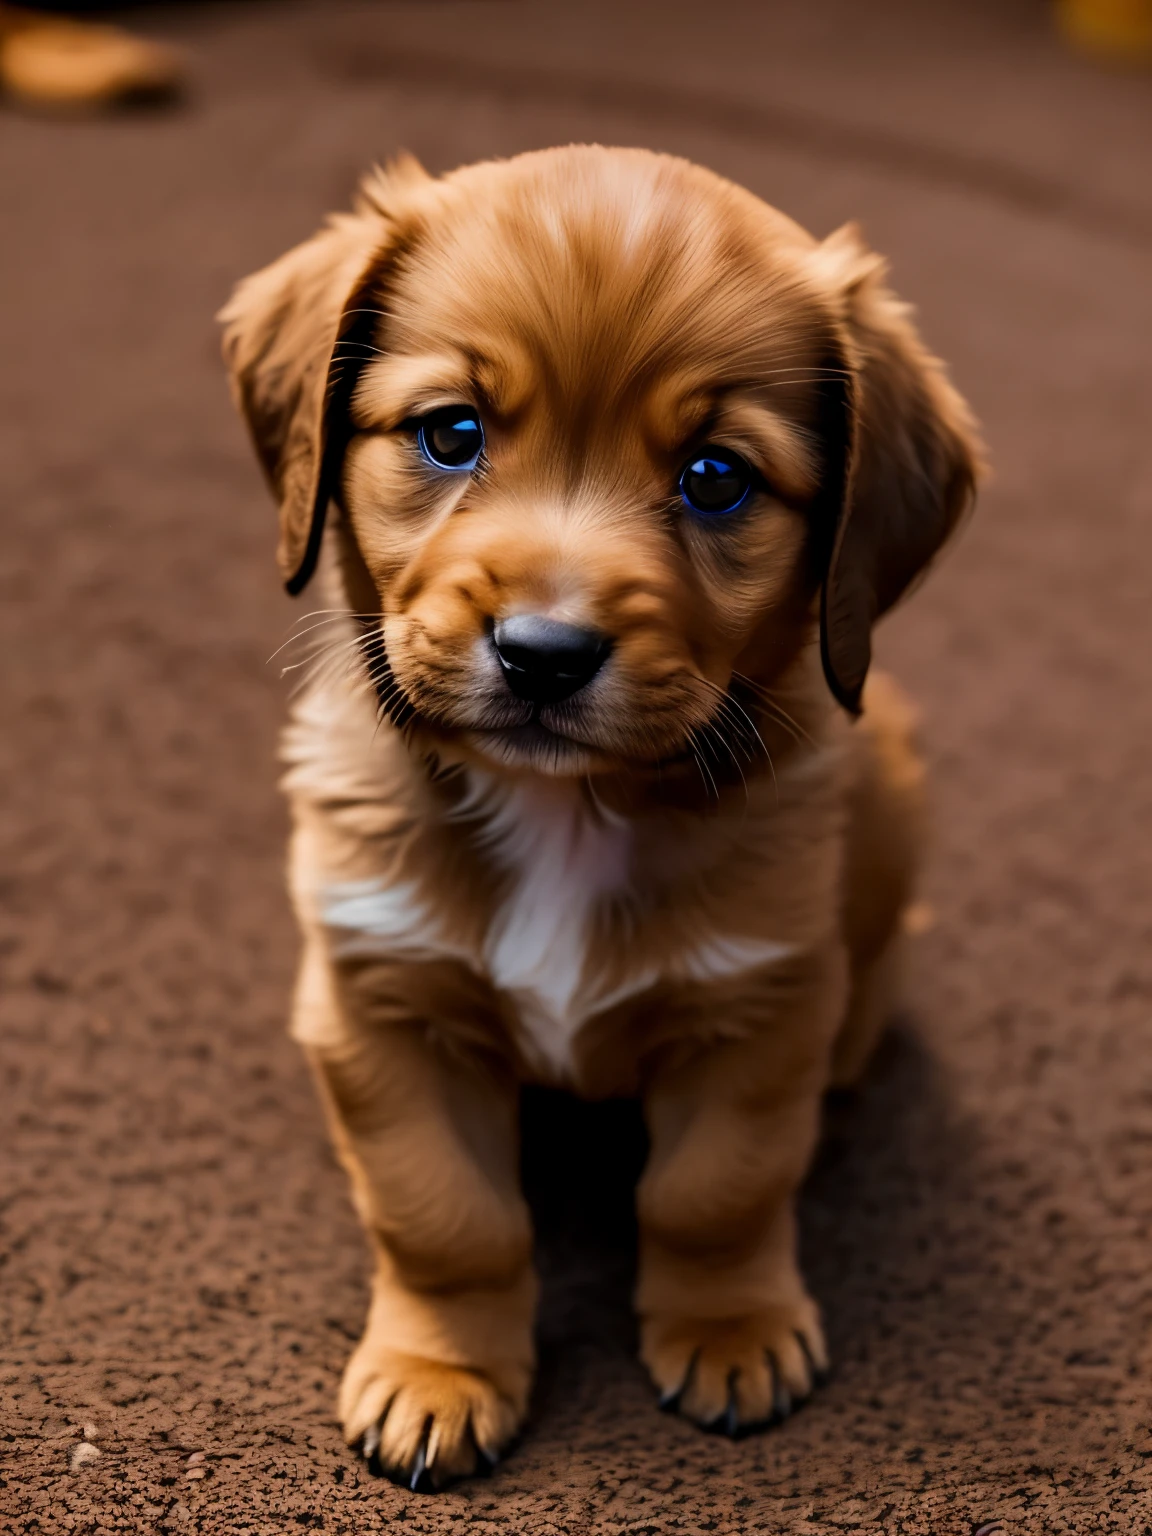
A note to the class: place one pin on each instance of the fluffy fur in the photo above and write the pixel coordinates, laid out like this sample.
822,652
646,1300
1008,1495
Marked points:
686,881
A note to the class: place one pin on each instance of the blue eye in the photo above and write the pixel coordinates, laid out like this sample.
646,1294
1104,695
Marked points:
715,483
451,438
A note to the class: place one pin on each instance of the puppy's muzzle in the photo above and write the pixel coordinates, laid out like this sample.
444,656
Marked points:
545,661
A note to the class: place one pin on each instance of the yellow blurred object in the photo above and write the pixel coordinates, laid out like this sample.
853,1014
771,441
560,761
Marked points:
48,61
1119,29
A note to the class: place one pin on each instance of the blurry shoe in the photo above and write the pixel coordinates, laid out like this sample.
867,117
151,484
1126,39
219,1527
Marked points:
48,61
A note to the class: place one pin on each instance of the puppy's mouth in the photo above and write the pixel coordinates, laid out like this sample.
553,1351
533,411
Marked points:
559,738
536,740
532,744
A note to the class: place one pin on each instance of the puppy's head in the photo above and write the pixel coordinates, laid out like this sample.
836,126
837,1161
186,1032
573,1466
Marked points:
606,434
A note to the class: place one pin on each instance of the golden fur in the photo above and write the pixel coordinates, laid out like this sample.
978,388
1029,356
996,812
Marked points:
686,881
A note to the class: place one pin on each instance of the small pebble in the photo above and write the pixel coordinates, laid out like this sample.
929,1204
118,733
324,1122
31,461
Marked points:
82,1454
89,1431
195,1473
196,1458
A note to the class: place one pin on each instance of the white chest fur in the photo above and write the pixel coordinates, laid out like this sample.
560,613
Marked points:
562,858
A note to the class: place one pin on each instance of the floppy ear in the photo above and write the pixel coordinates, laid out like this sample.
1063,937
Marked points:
909,465
295,337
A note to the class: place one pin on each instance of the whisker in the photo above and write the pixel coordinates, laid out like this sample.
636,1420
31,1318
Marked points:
770,701
742,721
325,616
319,653
595,798
325,668
801,378
742,717
812,371
730,703
365,346
781,717
713,731
705,774
359,660
319,642
299,636
330,657
347,613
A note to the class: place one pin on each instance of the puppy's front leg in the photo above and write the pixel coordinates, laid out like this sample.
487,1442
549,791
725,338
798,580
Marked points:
728,1330
428,1133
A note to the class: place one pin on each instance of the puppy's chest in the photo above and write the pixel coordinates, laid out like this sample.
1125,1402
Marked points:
561,865
554,940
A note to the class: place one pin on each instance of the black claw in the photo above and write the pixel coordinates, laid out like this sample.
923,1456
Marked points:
730,1419
820,1373
781,1398
420,1480
486,1461
369,1448
669,1400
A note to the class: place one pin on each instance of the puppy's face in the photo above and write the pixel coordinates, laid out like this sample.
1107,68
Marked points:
596,450
583,465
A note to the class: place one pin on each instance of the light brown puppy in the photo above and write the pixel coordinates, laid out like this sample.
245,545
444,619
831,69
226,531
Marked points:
623,466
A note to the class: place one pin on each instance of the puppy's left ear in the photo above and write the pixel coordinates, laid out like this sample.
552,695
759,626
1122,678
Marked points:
295,336
909,466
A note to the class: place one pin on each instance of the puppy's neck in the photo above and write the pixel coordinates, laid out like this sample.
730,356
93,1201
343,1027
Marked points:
533,819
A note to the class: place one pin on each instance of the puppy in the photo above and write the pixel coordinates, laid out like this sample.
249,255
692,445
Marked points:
618,467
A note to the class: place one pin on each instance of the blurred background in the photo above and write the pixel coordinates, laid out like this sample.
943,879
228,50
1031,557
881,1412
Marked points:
182,1272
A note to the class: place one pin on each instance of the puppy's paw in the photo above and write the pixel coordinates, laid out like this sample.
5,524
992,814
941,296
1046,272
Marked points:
736,1374
422,1423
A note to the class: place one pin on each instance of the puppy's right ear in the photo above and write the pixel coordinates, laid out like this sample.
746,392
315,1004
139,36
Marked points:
295,337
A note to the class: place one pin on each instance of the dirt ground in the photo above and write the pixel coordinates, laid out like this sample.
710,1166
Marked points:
182,1273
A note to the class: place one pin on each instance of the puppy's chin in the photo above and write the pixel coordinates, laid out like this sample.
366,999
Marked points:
534,748
502,732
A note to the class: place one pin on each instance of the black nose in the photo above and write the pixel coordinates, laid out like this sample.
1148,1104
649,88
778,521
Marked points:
546,661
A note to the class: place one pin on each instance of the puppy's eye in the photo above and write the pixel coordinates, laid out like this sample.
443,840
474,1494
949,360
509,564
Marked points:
715,483
451,438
